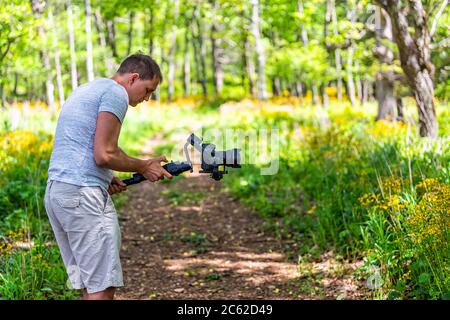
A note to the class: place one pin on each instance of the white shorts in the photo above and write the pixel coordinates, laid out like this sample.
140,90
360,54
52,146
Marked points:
84,221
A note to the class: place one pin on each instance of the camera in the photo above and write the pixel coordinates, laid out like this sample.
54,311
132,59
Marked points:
212,161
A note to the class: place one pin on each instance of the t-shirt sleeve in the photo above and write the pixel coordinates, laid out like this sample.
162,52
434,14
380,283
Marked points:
114,100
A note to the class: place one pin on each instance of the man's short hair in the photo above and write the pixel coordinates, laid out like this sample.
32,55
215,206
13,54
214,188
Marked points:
144,65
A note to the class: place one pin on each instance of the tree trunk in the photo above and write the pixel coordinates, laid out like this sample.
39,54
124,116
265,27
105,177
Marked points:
259,48
59,81
111,39
89,59
350,83
276,86
399,103
16,81
249,66
73,59
385,97
331,11
247,53
365,90
187,66
300,91
151,33
202,48
275,80
102,40
324,94
337,55
130,32
303,32
305,41
196,58
295,89
415,58
384,84
217,50
50,88
3,95
315,96
358,82
173,46
351,16
37,8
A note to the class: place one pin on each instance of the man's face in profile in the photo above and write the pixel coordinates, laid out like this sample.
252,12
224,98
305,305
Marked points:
140,90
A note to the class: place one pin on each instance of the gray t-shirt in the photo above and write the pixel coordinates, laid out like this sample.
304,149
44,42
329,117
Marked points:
72,160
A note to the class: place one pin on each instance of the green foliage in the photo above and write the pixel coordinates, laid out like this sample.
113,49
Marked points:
282,24
328,193
16,23
37,273
299,62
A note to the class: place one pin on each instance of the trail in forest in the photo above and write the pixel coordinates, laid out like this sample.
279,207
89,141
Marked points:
188,239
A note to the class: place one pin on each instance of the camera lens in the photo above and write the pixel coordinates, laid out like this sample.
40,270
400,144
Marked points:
230,158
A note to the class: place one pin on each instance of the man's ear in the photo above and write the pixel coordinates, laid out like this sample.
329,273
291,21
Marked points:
134,77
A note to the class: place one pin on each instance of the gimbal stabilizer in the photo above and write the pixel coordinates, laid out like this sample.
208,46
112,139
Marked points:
212,161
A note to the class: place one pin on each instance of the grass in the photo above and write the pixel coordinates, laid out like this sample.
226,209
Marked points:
327,173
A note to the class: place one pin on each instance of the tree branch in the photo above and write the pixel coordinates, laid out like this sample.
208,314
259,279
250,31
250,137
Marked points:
436,18
445,43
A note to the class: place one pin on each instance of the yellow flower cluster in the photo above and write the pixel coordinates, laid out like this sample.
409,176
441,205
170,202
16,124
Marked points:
17,146
385,128
429,222
7,242
389,198
393,185
282,111
18,141
280,100
369,199
347,116
5,248
390,202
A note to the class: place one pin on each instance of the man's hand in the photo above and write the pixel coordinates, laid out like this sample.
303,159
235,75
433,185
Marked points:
153,171
116,186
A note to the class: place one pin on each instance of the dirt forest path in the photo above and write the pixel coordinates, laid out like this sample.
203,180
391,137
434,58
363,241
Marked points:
188,239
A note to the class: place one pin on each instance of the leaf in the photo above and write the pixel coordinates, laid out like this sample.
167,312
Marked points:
424,278
393,295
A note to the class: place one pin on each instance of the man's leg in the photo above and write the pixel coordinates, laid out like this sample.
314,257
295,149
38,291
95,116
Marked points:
107,294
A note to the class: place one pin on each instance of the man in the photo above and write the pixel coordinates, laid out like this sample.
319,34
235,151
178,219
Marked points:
80,180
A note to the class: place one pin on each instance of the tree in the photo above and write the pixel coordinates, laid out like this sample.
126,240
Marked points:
412,36
59,81
281,46
385,77
172,49
73,59
38,7
216,45
89,58
200,49
259,49
16,23
332,18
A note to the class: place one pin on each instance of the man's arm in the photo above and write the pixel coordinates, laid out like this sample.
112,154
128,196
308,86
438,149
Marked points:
108,154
